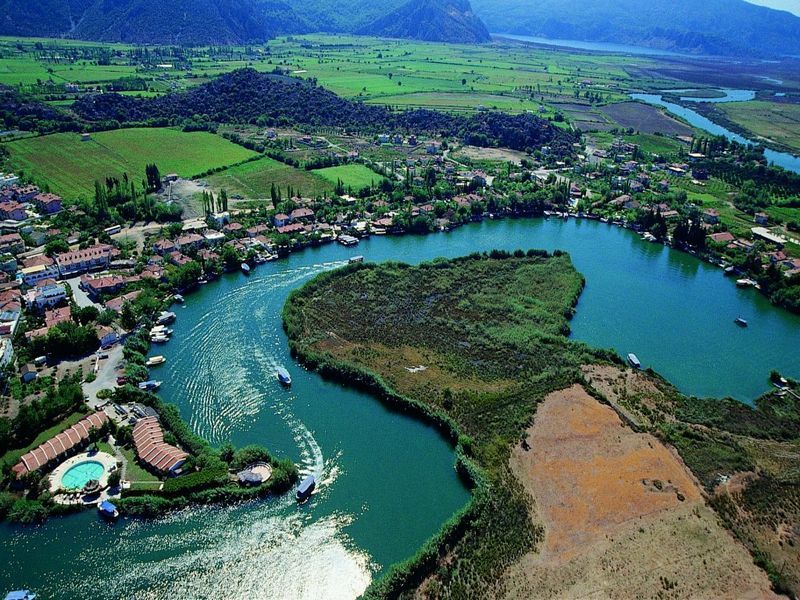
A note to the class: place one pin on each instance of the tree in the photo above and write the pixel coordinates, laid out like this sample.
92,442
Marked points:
127,317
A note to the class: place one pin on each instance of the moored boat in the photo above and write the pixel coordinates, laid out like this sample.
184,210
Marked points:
107,510
634,361
283,376
159,339
166,317
305,488
356,259
245,268
155,361
150,386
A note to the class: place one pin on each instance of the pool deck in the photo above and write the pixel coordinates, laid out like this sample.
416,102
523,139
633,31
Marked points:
109,463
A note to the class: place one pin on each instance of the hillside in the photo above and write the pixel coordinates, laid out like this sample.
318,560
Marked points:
717,27
247,96
432,21
152,21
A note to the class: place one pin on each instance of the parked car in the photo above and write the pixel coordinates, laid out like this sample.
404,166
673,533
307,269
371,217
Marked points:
122,380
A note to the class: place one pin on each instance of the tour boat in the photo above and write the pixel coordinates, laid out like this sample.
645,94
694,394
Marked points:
356,259
305,488
740,322
245,268
283,376
150,386
634,361
155,361
159,339
166,317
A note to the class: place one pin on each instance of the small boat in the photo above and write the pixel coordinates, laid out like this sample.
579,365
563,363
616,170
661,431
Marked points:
745,282
155,361
305,488
740,322
245,268
634,361
178,298
356,259
166,317
107,510
150,386
283,376
159,339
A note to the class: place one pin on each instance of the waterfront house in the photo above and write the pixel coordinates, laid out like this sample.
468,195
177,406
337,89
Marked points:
257,230
107,335
152,450
292,228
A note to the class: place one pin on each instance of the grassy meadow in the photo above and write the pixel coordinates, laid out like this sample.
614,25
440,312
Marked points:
353,175
779,123
69,166
253,180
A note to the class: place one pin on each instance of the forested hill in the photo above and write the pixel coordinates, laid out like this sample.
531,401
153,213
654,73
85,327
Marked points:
199,22
247,96
431,20
716,27
189,22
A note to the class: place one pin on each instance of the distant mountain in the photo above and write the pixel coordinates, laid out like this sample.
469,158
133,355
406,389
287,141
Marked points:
152,21
716,27
432,21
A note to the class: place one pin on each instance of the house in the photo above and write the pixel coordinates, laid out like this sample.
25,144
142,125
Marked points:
212,237
760,218
117,303
233,228
620,201
12,211
38,268
11,243
81,261
700,174
47,203
97,286
178,259
107,335
221,218
292,228
163,247
28,373
723,237
190,241
765,234
711,216
257,230
281,219
663,186
46,296
57,315
637,187
302,214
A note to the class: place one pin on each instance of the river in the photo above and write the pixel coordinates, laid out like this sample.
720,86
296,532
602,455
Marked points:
781,159
387,481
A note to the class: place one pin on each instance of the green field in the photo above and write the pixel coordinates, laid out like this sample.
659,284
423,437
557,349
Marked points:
70,167
253,180
779,123
458,101
353,175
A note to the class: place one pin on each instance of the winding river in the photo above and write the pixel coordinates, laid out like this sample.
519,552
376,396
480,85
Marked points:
387,481
786,160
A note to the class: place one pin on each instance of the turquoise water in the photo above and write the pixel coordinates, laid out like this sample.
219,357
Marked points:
386,481
81,474
781,159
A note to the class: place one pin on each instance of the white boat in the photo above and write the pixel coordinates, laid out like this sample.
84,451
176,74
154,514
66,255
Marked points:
745,282
159,339
166,317
155,361
178,298
245,268
634,361
356,259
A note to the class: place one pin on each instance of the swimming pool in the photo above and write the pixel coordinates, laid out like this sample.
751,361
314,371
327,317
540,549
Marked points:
82,473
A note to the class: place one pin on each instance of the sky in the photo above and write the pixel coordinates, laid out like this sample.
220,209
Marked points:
793,6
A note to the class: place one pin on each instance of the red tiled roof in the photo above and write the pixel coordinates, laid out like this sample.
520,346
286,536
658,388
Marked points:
60,444
151,447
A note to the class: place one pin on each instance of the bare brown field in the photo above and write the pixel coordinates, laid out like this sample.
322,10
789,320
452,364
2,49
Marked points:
645,119
623,516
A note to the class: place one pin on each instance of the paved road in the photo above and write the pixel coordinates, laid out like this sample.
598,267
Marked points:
81,299
106,375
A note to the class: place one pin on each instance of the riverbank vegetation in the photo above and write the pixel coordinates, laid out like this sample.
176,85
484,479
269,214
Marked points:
473,345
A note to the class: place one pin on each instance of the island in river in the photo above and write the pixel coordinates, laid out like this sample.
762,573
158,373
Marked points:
587,477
